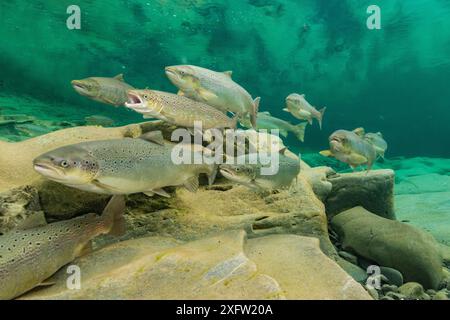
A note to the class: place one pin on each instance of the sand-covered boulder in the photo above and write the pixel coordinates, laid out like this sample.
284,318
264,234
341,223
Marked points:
225,206
225,266
301,269
390,243
17,205
373,190
317,177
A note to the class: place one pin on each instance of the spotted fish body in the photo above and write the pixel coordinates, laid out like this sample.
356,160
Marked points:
251,176
29,257
177,110
297,105
123,166
111,91
351,148
217,89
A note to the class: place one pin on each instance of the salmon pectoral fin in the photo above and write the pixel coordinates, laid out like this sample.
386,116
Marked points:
206,94
192,184
326,153
153,136
180,93
113,216
161,192
105,187
357,159
47,283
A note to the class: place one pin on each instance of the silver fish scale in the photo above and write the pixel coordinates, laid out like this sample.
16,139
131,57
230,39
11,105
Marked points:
122,154
182,107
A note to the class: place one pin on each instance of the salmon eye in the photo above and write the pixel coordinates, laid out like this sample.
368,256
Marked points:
64,163
145,96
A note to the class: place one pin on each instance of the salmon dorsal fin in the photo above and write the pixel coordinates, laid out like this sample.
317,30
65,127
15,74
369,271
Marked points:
153,136
360,131
228,73
119,77
34,221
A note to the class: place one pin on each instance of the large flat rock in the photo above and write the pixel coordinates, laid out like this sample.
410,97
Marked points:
302,270
220,267
372,190
190,216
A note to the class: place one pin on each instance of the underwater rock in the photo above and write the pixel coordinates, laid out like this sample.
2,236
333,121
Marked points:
440,295
60,202
301,269
189,216
318,179
357,273
348,256
221,267
372,190
392,244
413,291
16,205
394,276
16,158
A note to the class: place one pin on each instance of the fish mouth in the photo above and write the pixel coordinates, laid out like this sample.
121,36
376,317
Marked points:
335,139
171,73
229,174
48,170
227,171
134,100
79,87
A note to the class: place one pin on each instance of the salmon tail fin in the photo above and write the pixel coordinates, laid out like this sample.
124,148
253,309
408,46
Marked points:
254,112
300,131
321,111
113,216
